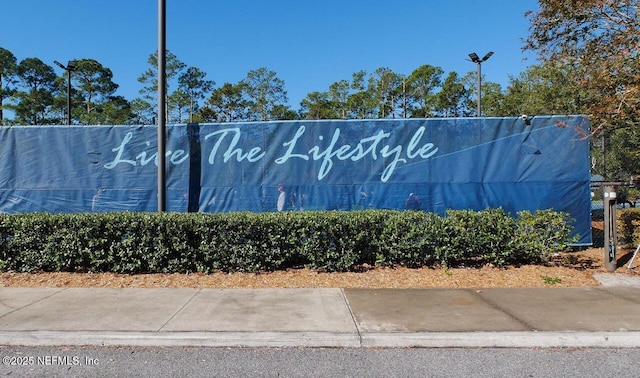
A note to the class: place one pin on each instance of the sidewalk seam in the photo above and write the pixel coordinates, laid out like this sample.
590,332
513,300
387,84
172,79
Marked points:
613,294
179,310
478,292
34,302
353,316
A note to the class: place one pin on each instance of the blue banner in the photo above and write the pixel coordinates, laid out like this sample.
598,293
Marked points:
427,164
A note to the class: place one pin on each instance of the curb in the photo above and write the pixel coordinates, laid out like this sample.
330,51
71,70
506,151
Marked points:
327,339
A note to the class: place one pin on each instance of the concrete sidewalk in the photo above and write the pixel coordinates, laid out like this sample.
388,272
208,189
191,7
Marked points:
604,316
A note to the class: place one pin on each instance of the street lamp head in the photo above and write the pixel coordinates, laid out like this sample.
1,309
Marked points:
486,57
71,66
476,59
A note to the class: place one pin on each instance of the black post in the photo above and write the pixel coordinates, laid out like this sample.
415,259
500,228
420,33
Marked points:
68,97
71,66
479,111
610,236
476,59
162,80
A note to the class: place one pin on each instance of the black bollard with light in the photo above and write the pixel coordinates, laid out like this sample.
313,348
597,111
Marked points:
610,235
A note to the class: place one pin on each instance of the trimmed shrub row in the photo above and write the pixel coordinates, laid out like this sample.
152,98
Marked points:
628,226
250,242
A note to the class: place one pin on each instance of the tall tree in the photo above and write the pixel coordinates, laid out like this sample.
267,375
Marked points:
94,86
283,112
34,102
492,101
421,86
404,104
265,91
385,84
116,110
180,103
453,98
193,83
226,104
143,112
339,97
543,89
622,154
362,102
317,105
174,68
380,88
8,70
600,39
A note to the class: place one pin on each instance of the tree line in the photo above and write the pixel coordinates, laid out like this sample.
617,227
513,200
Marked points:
36,95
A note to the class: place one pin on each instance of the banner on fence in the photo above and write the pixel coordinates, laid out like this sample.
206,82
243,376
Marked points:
427,164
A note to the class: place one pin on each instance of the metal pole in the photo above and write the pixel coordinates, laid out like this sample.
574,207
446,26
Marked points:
404,99
162,80
69,67
476,59
604,166
68,97
479,89
610,237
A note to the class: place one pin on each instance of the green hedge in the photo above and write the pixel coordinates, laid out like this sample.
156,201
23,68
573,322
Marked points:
628,226
251,242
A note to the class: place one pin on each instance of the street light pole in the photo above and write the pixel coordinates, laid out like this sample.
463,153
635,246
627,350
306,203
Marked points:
162,93
475,59
71,66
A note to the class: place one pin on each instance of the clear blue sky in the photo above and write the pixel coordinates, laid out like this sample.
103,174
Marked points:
309,44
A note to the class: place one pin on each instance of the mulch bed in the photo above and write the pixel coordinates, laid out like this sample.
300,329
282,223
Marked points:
567,269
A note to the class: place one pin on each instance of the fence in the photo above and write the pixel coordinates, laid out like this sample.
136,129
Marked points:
427,164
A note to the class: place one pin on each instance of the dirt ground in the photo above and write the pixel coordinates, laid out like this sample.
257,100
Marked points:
567,269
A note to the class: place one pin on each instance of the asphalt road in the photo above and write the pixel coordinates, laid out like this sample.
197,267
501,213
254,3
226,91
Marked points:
316,362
